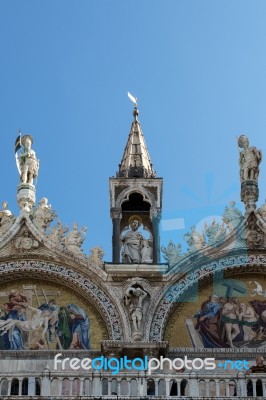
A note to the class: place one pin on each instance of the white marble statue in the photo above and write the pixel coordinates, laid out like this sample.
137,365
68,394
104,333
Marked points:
249,160
28,163
96,256
42,215
134,299
75,238
135,249
6,218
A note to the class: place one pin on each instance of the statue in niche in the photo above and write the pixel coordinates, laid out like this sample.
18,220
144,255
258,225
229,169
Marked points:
75,238
134,299
43,215
6,218
135,248
28,163
249,160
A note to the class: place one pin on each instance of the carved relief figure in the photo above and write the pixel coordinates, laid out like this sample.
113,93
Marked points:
6,218
28,163
135,249
134,298
43,215
26,241
249,160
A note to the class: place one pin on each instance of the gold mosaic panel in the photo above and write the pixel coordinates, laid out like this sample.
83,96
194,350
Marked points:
36,330
236,325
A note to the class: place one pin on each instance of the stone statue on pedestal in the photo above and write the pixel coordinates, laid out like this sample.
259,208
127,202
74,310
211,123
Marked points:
135,249
28,163
249,160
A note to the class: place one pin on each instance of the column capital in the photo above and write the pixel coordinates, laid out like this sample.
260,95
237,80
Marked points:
116,213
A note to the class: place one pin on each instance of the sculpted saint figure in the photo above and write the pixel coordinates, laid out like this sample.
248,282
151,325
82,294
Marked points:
134,298
74,239
249,160
28,163
43,215
6,218
135,248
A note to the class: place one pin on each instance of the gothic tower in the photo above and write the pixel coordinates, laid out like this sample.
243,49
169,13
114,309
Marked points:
136,192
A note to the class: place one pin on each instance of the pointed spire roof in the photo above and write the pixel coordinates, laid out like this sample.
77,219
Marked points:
136,162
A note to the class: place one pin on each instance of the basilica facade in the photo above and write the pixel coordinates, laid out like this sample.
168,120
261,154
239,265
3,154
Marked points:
77,326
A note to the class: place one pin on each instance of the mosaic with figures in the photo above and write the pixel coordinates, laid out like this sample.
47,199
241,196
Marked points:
36,316
231,313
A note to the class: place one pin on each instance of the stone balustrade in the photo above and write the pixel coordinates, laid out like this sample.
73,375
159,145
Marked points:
132,386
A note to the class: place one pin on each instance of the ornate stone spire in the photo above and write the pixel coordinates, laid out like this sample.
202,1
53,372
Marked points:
136,161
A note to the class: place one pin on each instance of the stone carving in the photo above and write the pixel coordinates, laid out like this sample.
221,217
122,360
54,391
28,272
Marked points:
57,233
172,253
249,160
96,256
75,238
135,249
28,163
232,217
134,299
26,241
215,233
196,241
261,215
42,215
6,218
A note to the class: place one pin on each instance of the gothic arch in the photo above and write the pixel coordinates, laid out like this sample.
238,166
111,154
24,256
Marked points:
124,195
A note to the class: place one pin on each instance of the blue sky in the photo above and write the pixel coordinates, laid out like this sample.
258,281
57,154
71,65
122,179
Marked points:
197,67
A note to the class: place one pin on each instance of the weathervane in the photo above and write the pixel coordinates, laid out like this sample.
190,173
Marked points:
133,99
